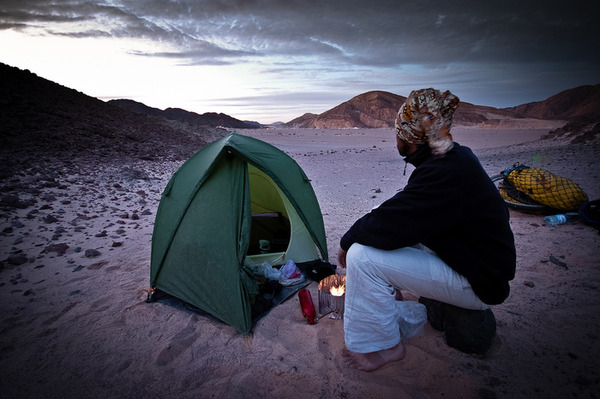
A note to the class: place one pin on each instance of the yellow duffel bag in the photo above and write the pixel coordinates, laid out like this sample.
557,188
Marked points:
548,189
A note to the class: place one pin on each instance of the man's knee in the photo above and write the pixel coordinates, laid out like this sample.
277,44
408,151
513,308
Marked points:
353,255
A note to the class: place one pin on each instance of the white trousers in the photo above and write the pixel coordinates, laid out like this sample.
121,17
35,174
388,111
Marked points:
372,277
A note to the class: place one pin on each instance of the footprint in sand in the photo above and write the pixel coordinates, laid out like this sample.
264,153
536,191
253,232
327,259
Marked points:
180,342
54,318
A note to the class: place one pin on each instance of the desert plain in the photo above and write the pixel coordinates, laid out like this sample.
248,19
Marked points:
75,251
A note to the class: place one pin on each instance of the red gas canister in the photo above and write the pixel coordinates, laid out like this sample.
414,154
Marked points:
307,305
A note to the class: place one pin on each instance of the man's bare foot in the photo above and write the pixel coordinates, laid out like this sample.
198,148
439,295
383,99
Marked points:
374,360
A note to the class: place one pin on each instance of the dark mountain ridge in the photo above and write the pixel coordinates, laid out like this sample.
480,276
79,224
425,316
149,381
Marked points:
208,119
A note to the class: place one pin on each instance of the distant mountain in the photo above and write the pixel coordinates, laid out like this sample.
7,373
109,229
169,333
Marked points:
373,109
254,124
302,121
581,102
377,109
210,119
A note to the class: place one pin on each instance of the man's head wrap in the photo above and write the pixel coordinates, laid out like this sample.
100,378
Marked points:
426,117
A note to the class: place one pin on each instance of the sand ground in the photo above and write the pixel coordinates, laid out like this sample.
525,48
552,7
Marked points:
73,321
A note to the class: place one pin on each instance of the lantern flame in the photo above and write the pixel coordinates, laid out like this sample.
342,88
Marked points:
337,291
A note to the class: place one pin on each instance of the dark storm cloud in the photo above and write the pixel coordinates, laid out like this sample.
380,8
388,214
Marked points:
499,53
377,33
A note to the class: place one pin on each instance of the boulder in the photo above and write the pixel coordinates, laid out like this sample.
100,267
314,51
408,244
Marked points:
469,331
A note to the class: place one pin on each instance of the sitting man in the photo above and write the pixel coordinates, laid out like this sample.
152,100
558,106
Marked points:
445,237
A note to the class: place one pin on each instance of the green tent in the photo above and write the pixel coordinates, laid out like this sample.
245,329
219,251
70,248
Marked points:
235,204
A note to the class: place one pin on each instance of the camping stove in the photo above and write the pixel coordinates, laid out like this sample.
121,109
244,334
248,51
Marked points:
331,296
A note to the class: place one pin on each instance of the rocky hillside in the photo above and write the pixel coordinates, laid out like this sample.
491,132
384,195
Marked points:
42,119
579,103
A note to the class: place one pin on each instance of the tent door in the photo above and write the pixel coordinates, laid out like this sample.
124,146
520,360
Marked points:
290,239
270,230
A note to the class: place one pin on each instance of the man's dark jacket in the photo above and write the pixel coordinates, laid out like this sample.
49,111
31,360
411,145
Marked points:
451,206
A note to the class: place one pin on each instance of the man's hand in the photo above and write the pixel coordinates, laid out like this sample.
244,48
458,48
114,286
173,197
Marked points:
341,258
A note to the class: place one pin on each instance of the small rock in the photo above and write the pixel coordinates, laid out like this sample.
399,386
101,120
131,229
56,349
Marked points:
558,262
9,200
529,283
103,233
78,268
13,201
135,174
50,219
48,197
91,253
487,393
116,244
581,380
16,260
60,249
146,212
135,216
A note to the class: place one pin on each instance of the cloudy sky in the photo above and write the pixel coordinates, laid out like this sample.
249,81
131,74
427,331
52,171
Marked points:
274,60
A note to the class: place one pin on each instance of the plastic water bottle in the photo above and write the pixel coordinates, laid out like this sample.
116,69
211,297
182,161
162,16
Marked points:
561,218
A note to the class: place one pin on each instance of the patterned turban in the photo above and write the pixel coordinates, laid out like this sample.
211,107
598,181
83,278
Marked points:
426,117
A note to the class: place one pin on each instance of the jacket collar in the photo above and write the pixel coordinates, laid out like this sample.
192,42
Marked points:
419,156
422,154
